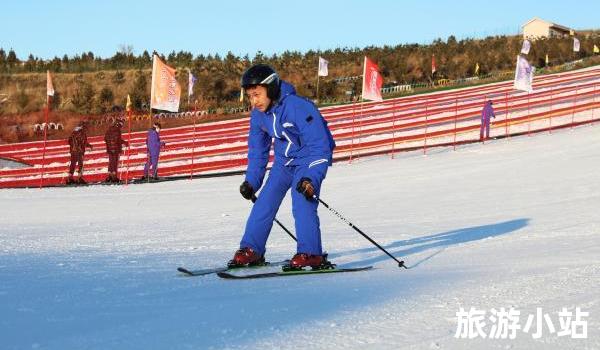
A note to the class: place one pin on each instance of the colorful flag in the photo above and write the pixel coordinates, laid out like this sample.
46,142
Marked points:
523,75
575,45
477,68
323,67
432,64
49,86
191,81
596,49
165,92
372,81
128,104
526,47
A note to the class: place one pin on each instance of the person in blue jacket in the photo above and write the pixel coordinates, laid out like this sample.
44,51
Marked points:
303,150
153,145
487,113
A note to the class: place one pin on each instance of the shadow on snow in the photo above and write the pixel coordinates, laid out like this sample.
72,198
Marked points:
404,248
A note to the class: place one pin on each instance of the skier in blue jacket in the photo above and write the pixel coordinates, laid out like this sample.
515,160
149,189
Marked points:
303,148
153,144
487,113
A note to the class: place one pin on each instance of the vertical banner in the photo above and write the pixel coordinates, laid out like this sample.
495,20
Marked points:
321,72
371,87
128,109
576,45
523,75
49,95
165,92
477,68
372,81
323,67
526,47
191,81
433,69
49,85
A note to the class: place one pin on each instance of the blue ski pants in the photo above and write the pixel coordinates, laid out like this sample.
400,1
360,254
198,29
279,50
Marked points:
485,128
151,165
260,222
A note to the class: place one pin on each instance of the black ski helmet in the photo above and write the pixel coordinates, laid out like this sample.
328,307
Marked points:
262,74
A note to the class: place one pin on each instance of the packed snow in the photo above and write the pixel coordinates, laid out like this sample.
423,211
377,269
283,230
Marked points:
511,223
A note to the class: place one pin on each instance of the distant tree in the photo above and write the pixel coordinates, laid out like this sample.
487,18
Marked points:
119,78
22,100
144,60
451,40
30,64
83,99
2,60
126,49
139,91
105,99
56,100
65,62
12,59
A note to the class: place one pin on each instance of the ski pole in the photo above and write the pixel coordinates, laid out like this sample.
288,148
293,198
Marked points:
400,263
278,223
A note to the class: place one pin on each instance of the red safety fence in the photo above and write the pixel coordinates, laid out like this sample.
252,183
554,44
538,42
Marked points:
441,119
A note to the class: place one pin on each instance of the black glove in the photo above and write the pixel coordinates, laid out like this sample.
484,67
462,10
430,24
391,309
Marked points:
246,190
306,187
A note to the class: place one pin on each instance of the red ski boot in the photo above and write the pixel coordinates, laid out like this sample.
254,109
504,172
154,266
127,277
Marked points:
246,257
301,260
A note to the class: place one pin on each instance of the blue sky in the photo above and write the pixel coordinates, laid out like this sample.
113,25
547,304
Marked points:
54,28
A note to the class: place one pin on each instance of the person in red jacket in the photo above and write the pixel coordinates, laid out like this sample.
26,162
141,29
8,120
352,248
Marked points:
114,146
77,145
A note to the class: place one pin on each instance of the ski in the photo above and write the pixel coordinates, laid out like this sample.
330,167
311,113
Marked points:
202,272
229,275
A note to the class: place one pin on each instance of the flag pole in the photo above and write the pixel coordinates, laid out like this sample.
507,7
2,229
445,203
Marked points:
128,145
150,123
455,116
506,115
45,138
426,122
550,119
393,127
317,87
193,140
352,138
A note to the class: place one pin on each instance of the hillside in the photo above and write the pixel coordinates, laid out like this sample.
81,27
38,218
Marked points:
92,87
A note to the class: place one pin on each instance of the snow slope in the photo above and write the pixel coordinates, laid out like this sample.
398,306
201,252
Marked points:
509,223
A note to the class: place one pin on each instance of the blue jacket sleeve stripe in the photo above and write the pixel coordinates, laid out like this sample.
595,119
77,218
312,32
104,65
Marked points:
317,162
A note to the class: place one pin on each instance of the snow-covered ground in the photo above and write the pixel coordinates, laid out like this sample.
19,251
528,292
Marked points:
510,223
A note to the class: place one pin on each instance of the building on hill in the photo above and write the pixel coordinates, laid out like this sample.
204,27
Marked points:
539,28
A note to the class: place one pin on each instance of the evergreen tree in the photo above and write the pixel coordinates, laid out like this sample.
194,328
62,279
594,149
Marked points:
22,101
139,93
105,99
83,99
11,59
2,60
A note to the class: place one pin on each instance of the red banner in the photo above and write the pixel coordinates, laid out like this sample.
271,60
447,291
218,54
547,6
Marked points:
372,81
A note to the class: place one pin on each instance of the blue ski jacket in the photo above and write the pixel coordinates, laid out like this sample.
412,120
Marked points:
153,142
300,133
